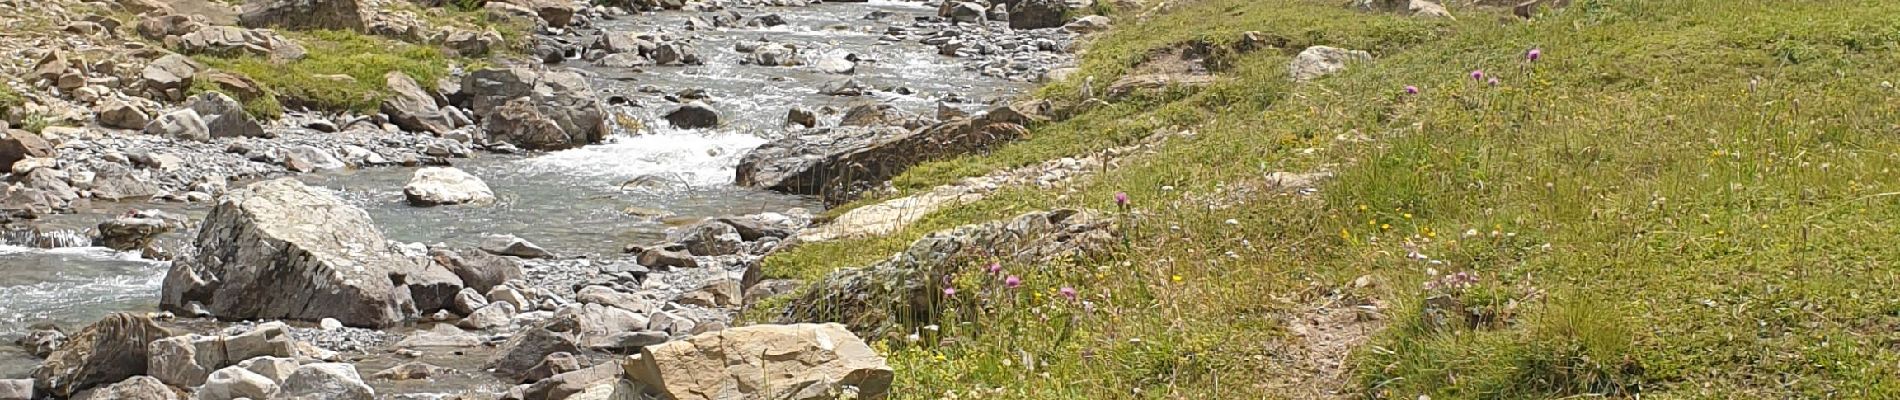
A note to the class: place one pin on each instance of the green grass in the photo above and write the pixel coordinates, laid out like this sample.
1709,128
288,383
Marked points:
364,59
9,100
1683,199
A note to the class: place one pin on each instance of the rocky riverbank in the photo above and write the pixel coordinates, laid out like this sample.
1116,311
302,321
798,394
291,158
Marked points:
280,289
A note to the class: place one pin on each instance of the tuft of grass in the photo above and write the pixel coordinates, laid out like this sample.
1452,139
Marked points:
9,100
1694,211
342,72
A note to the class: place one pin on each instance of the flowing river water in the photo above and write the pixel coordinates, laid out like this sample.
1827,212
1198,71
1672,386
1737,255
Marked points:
571,202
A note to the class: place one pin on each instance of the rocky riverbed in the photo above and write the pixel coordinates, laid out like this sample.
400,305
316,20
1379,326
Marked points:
609,194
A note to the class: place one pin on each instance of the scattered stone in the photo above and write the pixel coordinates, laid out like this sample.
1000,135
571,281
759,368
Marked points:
412,108
667,258
806,361
526,349
20,145
342,15
224,117
114,113
1038,14
710,238
186,361
410,371
509,245
307,158
41,339
494,315
134,388
1318,61
235,382
181,124
565,99
801,117
717,294
325,258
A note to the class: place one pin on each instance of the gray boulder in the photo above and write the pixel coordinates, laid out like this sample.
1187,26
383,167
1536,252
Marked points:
105,352
325,381
565,99
694,115
281,250
412,108
181,124
1318,61
436,186
224,117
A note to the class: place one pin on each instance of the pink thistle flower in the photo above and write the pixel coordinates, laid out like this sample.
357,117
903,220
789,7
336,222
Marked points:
1494,81
1477,75
1121,199
1067,292
1013,282
996,268
1411,89
1534,54
949,291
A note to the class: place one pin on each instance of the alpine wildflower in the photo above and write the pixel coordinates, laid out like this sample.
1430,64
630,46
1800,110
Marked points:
1012,282
1534,54
1493,81
996,268
949,291
1067,292
1121,199
1412,90
1477,75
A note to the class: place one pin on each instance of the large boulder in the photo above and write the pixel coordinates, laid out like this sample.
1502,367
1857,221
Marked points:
521,124
133,232
1038,14
566,385
884,293
564,98
412,108
108,351
325,381
526,349
803,361
838,163
168,77
122,114
20,145
342,15
1318,61
436,186
694,115
180,124
281,250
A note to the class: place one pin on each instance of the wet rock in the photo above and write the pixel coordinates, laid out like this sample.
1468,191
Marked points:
181,124
410,371
186,361
134,388
837,62
411,107
801,117
342,15
234,382
327,381
847,87
280,249
526,349
509,245
132,233
436,186
224,117
307,158
564,98
1038,14
773,55
867,298
1318,61
107,351
480,271
20,145
710,238
695,115
808,361
40,340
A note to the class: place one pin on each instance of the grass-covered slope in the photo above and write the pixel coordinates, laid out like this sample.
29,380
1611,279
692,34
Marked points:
1679,199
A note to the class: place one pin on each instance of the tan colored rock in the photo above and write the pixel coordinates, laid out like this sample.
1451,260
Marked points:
803,361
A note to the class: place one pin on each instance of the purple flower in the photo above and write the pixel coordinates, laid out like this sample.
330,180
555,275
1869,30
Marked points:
1121,199
1534,54
996,268
1477,75
1411,89
1067,292
1012,282
949,291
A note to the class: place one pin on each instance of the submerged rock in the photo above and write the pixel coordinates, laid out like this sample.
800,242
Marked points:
281,250
803,361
